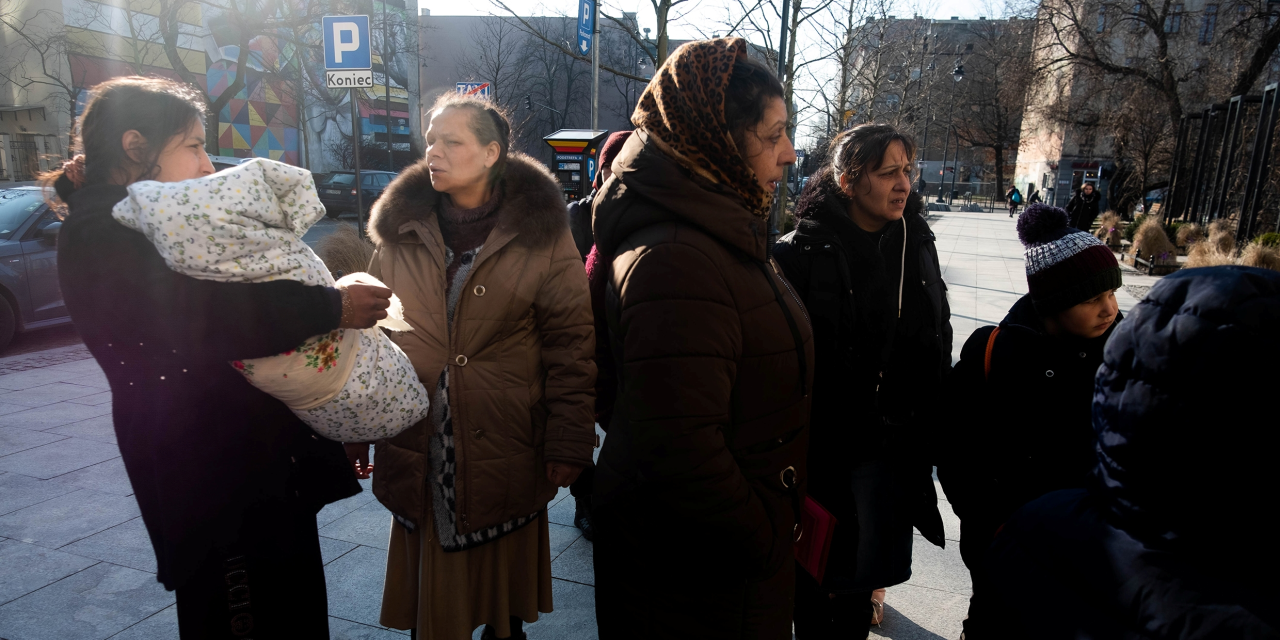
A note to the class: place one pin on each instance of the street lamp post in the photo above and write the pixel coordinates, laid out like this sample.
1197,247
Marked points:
924,148
957,75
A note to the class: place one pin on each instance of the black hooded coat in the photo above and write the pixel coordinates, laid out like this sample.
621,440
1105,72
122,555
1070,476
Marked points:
877,378
1168,541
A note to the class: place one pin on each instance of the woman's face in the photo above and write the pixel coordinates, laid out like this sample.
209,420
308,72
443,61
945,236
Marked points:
769,151
455,156
1090,318
1088,188
183,158
879,195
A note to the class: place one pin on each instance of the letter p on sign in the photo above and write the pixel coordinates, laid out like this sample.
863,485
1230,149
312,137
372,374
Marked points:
346,42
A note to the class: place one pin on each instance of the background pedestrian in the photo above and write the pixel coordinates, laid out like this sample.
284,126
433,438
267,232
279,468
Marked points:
227,478
709,431
475,241
1021,393
863,260
1083,207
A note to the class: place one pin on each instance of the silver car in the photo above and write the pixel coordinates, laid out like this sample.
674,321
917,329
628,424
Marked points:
30,297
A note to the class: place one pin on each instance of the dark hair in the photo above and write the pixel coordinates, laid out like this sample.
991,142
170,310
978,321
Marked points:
157,108
863,147
751,84
489,123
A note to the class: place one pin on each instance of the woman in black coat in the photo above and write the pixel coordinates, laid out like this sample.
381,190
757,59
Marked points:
864,262
1021,392
227,478
1169,538
1082,209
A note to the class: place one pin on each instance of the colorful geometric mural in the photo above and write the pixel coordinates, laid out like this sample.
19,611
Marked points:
260,121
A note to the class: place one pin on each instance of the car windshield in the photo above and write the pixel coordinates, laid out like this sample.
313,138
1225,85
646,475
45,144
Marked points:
15,207
339,179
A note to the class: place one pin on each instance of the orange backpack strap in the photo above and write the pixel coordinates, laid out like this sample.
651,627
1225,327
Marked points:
991,345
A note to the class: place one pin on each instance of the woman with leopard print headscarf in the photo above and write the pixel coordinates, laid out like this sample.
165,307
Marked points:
713,353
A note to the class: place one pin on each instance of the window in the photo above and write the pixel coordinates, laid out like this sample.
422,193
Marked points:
15,207
1273,11
1139,17
1209,24
968,48
343,179
1173,21
1102,19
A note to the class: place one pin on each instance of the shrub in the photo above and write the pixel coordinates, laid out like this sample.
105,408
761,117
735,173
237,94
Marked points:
1132,228
1189,233
1261,255
344,250
1151,240
1109,229
1208,254
1271,239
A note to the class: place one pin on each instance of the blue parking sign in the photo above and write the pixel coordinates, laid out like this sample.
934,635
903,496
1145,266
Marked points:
346,42
586,25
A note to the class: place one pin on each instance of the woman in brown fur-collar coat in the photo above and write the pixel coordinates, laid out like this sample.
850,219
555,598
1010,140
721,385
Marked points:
475,241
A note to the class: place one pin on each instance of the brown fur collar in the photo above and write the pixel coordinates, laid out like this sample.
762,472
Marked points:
532,202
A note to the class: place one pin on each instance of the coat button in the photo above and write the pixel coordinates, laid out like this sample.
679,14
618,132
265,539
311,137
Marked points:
1048,374
1082,354
478,434
479,290
461,360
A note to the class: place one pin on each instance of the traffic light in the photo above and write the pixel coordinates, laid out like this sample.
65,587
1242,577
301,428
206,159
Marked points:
528,102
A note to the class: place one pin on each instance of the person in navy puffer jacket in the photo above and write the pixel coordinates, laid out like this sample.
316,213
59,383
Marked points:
1166,542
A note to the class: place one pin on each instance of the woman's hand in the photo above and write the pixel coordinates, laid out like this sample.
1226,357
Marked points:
358,454
563,474
363,305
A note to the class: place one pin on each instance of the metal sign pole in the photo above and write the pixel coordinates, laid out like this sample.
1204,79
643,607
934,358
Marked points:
595,65
355,149
386,84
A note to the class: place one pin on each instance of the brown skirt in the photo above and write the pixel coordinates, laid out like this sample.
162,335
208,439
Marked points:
446,596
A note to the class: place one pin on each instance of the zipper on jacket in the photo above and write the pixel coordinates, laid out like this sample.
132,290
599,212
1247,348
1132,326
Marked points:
791,322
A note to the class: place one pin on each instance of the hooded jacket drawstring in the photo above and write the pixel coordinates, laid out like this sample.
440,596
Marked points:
902,268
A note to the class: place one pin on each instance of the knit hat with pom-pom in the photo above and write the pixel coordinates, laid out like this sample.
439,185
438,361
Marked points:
1065,266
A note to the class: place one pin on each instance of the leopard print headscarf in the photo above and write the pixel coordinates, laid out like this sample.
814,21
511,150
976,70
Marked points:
682,110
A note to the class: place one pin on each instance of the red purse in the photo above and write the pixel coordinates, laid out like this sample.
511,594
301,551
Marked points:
817,526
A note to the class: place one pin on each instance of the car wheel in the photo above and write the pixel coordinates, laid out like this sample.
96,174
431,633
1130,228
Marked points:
8,323
332,213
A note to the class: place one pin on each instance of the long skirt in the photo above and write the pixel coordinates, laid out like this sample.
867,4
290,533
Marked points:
446,596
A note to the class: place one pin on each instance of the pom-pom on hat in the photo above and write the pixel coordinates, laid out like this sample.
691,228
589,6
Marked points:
1065,266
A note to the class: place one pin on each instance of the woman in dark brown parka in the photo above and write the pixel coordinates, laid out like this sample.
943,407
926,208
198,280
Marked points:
699,481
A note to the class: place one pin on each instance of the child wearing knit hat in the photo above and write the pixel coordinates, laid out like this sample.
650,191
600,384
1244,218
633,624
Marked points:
1022,392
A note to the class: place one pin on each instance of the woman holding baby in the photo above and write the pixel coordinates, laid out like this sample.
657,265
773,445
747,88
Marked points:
227,478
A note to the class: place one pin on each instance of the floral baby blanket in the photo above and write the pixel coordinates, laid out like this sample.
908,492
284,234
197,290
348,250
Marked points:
245,224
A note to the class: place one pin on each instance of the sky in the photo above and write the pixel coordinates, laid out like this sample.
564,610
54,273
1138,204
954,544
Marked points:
704,14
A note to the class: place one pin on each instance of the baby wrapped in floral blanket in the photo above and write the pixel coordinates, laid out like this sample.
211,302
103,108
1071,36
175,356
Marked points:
245,224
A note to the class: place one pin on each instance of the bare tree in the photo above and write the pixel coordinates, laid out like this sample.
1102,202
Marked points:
997,74
40,60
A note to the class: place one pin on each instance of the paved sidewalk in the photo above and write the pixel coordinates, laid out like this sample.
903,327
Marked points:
76,563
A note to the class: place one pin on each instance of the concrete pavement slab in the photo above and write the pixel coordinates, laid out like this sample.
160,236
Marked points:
56,458
28,567
78,367
32,378
54,415
561,538
369,525
574,617
95,603
354,583
918,613
331,549
98,380
47,394
126,544
562,512
13,439
67,518
575,564
99,429
160,626
108,476
340,629
18,491
98,399
940,569
336,510
6,409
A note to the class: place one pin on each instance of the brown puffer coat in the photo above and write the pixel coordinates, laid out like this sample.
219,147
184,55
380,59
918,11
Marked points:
522,386
714,358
